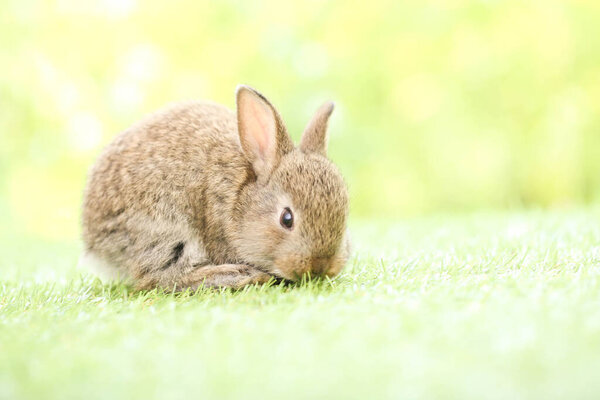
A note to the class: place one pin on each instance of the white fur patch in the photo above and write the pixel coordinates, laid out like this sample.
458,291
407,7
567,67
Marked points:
101,268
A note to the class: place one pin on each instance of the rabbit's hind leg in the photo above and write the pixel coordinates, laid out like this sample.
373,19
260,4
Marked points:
168,255
175,259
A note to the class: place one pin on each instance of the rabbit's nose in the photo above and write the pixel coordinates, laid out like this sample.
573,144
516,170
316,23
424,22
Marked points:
319,265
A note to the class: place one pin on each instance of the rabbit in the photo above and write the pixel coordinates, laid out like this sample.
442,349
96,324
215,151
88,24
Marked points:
196,195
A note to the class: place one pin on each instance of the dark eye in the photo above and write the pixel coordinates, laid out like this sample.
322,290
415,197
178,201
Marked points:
287,218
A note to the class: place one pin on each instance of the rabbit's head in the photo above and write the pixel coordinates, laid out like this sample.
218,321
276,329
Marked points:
292,217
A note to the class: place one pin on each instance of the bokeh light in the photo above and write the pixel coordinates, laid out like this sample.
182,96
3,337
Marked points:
441,105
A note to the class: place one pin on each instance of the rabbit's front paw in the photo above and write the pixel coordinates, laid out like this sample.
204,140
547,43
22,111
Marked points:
234,276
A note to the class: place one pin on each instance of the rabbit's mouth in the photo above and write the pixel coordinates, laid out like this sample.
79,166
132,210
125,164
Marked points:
294,267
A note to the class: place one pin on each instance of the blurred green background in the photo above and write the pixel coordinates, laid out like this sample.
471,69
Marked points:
441,105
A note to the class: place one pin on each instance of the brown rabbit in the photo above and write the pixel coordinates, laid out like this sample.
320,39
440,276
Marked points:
194,196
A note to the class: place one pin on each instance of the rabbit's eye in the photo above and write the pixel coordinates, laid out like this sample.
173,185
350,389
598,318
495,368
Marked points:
287,218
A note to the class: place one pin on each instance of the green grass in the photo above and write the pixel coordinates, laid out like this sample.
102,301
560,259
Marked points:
489,305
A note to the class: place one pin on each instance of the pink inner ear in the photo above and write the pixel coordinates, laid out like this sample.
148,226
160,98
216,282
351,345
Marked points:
261,126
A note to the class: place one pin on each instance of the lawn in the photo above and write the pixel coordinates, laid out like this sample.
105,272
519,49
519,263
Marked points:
484,305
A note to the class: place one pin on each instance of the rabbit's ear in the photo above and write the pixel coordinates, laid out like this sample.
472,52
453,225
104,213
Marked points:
263,136
314,138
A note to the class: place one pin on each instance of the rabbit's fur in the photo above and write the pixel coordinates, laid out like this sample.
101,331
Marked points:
193,195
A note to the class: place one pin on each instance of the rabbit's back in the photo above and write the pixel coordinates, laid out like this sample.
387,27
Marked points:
157,170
